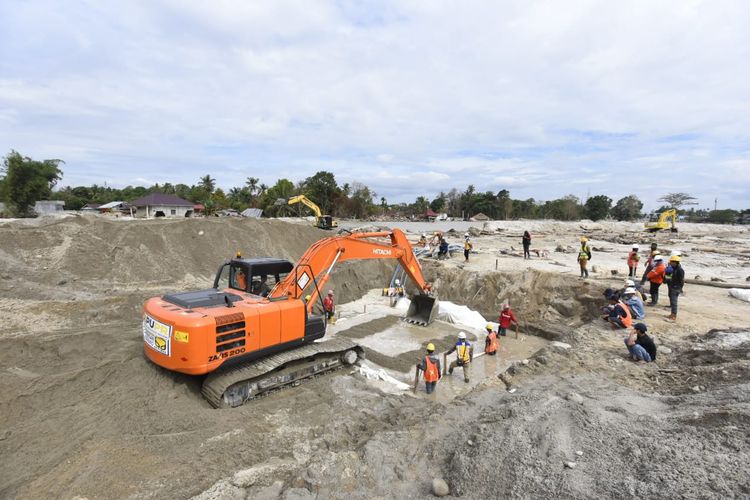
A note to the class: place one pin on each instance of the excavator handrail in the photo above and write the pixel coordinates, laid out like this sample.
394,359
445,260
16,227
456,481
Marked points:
324,254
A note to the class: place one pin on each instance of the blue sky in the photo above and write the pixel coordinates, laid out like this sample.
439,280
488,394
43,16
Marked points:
541,98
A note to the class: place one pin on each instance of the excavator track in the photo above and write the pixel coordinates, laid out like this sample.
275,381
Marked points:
236,385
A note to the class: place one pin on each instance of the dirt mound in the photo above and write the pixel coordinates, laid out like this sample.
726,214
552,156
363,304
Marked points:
546,304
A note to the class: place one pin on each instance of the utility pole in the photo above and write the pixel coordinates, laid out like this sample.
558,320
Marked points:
716,201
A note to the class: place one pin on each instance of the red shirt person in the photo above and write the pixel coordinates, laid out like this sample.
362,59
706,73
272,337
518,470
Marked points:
329,306
506,319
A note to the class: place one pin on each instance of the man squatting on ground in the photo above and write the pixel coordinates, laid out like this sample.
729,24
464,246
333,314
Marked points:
430,367
616,313
640,345
464,355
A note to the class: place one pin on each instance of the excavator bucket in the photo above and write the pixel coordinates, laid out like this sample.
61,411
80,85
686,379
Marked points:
423,310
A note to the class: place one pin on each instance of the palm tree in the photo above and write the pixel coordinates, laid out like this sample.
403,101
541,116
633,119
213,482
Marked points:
208,183
252,184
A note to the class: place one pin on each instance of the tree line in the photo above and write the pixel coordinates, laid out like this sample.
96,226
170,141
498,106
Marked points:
23,181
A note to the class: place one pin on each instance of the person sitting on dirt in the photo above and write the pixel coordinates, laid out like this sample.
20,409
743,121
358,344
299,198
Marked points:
443,249
656,278
634,302
422,240
639,291
329,307
430,367
640,346
464,355
505,319
619,314
490,342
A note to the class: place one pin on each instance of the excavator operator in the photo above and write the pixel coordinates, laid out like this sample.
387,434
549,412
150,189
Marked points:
240,279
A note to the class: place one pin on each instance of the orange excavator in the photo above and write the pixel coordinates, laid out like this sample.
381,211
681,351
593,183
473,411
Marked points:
255,329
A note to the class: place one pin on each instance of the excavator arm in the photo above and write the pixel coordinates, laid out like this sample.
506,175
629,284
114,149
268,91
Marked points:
303,199
317,263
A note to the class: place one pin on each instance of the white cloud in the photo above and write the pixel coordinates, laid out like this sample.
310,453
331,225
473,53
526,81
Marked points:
409,98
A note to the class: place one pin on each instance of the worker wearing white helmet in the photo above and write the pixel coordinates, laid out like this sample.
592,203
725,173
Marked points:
633,299
633,259
464,355
467,247
656,278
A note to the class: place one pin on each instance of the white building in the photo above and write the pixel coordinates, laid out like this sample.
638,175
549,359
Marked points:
162,205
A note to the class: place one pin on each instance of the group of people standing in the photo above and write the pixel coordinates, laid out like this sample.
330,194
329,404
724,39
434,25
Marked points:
658,273
430,365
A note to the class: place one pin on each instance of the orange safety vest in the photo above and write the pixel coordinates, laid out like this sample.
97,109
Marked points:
241,281
492,346
633,259
628,319
657,274
431,373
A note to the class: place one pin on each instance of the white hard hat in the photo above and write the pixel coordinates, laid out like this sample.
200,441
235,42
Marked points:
630,290
659,257
397,282
461,335
635,245
466,234
629,283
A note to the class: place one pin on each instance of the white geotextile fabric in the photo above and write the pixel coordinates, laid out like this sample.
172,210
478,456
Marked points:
461,315
739,293
381,374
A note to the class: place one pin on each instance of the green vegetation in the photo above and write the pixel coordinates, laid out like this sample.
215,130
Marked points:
23,181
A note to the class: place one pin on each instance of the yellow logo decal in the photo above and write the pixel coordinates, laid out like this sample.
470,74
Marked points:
160,343
181,336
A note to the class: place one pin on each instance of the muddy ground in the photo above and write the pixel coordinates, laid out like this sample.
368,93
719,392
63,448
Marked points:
84,414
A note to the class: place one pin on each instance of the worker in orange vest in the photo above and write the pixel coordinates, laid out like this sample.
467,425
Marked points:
430,367
490,342
633,259
656,277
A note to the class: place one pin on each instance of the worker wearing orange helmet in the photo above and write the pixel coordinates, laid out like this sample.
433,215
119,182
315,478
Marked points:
584,256
329,307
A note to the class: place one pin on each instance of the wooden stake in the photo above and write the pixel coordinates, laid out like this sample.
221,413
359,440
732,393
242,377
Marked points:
416,379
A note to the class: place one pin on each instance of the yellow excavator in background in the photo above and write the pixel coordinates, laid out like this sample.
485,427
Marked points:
663,222
321,221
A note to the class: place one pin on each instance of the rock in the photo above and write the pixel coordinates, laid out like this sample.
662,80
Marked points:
470,442
525,362
560,248
696,388
6,276
570,465
440,487
269,492
664,350
222,490
574,397
579,453
297,494
541,360
594,269
562,346
61,282
614,272
698,277
474,231
200,233
714,279
747,279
